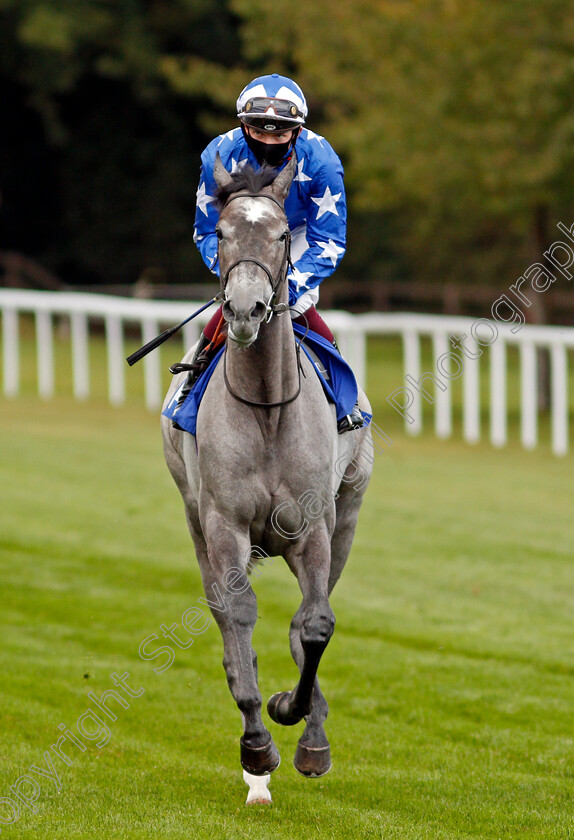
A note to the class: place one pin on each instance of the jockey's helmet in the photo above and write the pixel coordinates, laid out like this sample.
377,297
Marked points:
272,103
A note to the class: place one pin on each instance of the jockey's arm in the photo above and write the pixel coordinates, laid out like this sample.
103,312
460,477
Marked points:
324,242
206,217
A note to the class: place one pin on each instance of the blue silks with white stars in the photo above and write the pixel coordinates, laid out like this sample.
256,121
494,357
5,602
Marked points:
316,207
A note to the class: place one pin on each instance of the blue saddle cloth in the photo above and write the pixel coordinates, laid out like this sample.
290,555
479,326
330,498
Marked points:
341,388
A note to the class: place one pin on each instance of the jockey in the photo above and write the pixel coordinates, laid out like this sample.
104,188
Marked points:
272,111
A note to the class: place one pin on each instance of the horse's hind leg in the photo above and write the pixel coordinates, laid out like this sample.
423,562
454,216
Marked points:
348,505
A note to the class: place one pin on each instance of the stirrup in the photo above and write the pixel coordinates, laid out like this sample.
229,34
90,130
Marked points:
351,421
194,369
199,361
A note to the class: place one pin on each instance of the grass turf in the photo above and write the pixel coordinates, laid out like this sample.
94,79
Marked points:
449,676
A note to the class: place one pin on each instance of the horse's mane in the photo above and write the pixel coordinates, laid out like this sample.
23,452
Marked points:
248,179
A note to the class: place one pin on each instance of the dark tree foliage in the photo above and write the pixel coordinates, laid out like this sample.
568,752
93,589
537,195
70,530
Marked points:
453,119
99,154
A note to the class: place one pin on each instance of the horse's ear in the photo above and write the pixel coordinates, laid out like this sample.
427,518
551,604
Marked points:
220,173
282,182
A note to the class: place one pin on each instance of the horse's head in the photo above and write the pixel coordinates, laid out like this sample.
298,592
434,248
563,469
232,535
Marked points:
253,246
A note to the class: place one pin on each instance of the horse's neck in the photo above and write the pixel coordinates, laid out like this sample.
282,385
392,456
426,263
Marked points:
267,371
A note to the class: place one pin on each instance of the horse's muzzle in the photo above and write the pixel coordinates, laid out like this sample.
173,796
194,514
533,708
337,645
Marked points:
241,337
243,322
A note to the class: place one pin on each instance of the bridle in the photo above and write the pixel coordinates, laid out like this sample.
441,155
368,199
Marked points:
272,307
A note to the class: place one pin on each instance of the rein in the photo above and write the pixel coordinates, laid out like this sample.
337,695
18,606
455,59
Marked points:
245,401
272,308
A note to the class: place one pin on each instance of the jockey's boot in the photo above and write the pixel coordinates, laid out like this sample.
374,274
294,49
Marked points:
355,419
351,421
195,368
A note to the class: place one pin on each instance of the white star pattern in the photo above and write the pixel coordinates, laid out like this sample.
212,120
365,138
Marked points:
237,165
229,136
312,136
327,204
256,210
331,251
203,199
175,397
300,277
300,176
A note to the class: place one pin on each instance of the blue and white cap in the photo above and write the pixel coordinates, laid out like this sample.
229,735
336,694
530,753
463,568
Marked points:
272,103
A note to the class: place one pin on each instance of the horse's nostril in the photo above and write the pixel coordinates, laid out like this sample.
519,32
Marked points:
258,311
227,311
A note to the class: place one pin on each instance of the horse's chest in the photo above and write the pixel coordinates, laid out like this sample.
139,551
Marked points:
269,485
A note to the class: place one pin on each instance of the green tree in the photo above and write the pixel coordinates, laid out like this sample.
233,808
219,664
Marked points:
454,119
122,145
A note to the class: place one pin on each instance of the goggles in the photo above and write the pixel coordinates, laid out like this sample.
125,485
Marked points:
280,108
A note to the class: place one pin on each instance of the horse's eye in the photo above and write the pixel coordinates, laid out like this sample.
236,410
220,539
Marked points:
218,233
283,236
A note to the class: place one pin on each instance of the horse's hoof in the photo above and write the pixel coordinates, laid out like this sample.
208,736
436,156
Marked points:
260,760
312,762
278,709
259,794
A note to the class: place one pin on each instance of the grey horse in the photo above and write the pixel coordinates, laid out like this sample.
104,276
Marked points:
267,468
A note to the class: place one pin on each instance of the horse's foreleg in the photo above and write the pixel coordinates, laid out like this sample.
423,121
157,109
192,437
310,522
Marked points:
259,793
315,622
234,607
313,755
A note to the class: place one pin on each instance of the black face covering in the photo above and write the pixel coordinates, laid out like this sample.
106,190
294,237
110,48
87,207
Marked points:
271,154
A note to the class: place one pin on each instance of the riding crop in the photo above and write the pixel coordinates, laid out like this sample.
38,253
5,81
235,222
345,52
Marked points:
159,339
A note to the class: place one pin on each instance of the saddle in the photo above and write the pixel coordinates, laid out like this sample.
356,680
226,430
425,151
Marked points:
335,375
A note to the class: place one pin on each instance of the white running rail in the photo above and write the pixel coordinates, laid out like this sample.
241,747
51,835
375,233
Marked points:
453,357
457,347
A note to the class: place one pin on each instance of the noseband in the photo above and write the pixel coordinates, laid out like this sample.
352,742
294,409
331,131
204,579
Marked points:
272,308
